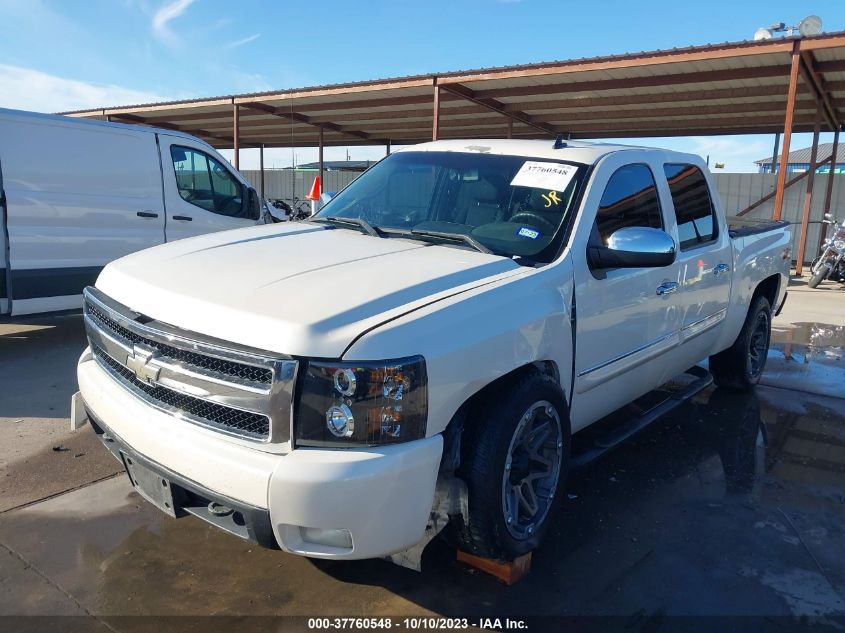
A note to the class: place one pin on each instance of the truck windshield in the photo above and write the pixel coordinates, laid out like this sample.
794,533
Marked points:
513,206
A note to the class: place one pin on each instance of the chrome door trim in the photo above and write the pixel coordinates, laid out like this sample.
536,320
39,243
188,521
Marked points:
697,327
625,355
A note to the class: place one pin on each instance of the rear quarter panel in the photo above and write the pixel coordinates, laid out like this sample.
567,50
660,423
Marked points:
755,258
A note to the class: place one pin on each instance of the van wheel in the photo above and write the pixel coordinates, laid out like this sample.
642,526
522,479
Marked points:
515,460
741,365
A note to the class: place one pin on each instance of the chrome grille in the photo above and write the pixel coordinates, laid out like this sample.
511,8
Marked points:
237,391
249,424
217,365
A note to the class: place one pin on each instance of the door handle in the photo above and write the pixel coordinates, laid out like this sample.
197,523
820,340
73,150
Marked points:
146,214
667,288
721,269
186,218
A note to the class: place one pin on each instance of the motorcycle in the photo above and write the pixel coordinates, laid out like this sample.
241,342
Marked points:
281,211
831,263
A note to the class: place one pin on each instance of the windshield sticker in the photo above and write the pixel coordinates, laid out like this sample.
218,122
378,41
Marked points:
549,176
530,233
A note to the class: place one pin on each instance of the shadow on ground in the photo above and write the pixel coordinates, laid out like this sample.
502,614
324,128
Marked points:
732,504
41,352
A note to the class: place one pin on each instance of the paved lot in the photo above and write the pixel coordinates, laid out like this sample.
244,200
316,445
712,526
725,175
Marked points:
730,505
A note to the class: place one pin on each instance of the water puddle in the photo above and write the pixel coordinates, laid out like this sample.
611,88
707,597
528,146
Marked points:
808,357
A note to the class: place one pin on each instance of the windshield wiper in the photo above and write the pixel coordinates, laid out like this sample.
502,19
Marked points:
359,223
454,237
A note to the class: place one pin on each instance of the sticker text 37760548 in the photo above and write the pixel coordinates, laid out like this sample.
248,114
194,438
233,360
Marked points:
541,175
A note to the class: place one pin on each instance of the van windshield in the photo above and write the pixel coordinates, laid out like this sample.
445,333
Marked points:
513,206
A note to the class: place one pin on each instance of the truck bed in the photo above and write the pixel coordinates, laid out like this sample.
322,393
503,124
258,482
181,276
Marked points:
743,227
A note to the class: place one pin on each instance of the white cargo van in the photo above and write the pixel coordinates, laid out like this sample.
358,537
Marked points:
77,194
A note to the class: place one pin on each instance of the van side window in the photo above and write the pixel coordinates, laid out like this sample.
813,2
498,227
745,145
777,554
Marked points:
693,205
629,199
204,182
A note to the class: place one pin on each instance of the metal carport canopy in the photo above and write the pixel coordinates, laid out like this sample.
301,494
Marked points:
731,88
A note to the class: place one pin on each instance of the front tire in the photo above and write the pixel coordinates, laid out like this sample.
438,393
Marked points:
819,274
740,367
515,459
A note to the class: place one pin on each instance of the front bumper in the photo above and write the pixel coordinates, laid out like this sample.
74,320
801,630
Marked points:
381,496
245,521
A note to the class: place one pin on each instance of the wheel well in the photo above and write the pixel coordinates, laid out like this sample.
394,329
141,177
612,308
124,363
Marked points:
768,288
454,430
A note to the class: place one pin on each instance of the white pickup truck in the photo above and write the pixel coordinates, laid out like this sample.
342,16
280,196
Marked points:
424,348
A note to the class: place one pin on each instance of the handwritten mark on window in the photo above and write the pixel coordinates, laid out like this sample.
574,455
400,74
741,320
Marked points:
551,198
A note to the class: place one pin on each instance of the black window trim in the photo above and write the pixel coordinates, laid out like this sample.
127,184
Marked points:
660,213
716,228
208,159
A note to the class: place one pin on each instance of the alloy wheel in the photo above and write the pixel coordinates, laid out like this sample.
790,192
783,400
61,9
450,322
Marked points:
532,469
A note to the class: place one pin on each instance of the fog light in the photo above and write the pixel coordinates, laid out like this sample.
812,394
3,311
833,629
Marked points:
323,536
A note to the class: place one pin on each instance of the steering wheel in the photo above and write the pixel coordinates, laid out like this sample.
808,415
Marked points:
533,218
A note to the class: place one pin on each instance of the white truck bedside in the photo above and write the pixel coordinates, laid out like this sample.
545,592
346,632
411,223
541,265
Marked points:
423,349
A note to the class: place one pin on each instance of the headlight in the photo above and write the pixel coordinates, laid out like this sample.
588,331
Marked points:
362,404
839,245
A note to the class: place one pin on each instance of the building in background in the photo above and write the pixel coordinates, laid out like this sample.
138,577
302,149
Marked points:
799,161
338,165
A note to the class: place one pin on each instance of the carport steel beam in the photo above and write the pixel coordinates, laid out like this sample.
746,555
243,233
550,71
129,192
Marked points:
787,128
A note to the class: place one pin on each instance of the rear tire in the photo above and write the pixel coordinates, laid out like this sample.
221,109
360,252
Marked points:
517,439
741,365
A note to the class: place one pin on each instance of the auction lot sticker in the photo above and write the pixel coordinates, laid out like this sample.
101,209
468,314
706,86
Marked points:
549,176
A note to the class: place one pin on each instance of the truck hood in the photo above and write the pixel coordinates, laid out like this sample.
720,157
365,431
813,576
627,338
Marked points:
300,289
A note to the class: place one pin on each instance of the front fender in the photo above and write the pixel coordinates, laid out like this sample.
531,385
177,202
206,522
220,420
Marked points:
471,339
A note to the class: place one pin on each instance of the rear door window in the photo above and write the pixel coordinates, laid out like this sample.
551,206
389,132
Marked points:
629,199
693,205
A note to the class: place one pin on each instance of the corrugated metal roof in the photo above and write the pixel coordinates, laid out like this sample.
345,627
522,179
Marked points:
729,88
802,156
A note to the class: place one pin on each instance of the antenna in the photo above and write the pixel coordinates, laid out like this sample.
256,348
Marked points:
560,143
811,25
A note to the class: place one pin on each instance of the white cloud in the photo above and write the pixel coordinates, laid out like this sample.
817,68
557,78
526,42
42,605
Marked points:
28,89
166,14
240,42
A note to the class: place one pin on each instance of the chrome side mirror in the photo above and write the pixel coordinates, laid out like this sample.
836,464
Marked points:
634,247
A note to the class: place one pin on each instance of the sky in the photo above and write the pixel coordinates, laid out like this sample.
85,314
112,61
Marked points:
58,55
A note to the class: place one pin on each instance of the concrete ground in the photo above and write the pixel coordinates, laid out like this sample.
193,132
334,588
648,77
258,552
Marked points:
731,505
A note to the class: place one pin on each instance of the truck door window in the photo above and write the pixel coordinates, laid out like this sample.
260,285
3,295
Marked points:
693,205
205,182
629,199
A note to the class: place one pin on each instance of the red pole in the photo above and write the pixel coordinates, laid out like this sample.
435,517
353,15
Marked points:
321,159
435,131
808,196
787,127
236,125
829,192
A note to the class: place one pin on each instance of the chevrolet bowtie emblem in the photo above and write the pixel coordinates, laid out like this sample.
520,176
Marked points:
142,363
